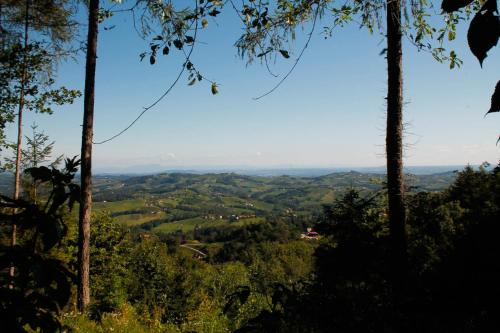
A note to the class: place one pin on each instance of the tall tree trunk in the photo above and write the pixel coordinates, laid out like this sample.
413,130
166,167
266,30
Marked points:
86,171
35,165
394,146
2,33
17,179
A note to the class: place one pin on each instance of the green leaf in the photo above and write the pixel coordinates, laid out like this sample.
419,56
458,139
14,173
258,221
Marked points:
214,13
214,89
285,54
178,44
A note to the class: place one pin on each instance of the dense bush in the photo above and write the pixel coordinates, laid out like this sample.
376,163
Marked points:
453,283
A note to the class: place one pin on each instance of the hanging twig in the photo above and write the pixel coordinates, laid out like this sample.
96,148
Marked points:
316,14
146,109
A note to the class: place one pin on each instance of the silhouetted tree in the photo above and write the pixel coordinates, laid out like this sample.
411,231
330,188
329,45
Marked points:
30,300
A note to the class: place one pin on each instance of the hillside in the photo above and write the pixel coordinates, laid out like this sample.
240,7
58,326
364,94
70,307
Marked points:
181,201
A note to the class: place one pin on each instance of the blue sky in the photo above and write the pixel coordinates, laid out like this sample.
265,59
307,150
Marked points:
330,112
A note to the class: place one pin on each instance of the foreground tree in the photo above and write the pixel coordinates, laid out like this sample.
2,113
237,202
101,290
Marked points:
28,64
394,145
33,297
28,89
86,170
169,27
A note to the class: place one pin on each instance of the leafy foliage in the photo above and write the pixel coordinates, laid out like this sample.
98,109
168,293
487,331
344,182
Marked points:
52,21
38,152
452,285
42,284
269,31
110,253
177,30
262,278
39,96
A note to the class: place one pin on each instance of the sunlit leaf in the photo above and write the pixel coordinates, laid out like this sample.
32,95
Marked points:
451,35
214,88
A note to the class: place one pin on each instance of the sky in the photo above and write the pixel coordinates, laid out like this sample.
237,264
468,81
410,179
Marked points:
330,112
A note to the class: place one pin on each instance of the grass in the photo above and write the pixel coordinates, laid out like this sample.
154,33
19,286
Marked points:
138,219
119,206
253,220
188,225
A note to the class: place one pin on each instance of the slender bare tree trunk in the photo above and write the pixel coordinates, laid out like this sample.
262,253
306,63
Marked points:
394,145
17,181
35,165
2,34
86,173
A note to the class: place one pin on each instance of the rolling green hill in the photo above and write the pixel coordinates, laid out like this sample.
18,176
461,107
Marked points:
179,201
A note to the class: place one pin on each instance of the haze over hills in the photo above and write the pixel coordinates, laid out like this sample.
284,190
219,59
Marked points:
6,178
269,171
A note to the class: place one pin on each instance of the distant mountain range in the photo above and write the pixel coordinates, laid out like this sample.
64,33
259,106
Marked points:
6,179
271,171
